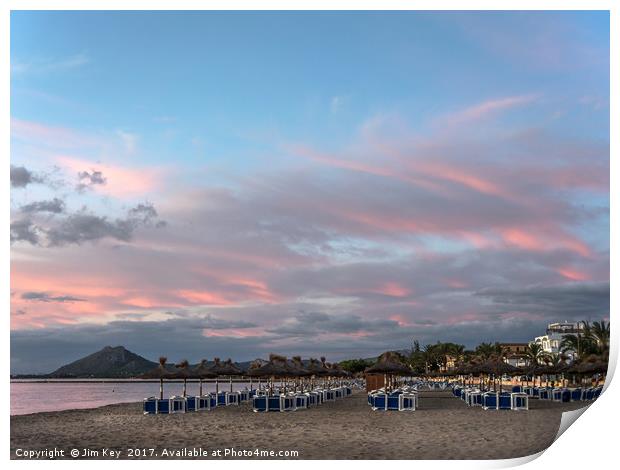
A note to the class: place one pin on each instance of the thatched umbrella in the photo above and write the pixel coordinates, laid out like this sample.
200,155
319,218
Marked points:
299,370
202,371
316,370
160,372
229,369
254,366
389,365
216,369
276,367
593,364
497,367
183,372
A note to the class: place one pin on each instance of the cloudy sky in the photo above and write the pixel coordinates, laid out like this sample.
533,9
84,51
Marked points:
200,184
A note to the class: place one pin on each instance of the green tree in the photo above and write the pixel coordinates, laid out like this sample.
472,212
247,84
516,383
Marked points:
534,353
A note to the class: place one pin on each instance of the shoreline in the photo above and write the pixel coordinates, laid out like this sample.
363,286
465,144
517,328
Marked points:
442,428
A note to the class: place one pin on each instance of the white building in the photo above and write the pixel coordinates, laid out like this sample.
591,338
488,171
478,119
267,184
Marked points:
556,332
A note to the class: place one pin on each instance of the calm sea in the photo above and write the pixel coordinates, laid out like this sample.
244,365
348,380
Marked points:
33,397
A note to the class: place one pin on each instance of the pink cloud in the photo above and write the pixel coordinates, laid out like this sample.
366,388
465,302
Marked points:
121,181
53,136
573,274
489,107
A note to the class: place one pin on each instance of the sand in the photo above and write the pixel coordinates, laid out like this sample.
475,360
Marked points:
442,428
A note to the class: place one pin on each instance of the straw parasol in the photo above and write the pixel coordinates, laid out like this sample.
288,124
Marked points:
315,368
275,367
593,364
160,372
183,372
497,367
230,369
389,365
202,371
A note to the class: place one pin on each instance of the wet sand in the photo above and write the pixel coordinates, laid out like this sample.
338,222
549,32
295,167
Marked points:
442,428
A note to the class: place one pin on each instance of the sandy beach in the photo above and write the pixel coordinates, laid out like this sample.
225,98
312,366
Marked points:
442,428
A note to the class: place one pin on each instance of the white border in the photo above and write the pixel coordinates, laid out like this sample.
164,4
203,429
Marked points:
592,442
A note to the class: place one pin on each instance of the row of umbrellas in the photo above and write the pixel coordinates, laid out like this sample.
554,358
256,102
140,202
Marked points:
276,367
390,365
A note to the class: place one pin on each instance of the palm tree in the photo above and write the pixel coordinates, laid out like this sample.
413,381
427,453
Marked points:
599,332
534,353
430,355
485,350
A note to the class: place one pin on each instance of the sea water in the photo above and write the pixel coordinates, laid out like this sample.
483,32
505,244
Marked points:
35,396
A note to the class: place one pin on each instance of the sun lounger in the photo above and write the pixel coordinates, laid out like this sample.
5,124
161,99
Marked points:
576,394
504,401
233,398
517,389
544,394
474,398
519,401
329,395
379,401
266,403
562,395
489,400
244,395
301,401
407,402
190,404
177,405
287,403
149,406
393,402
206,402
163,406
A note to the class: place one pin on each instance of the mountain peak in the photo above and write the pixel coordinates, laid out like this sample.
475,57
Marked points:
110,362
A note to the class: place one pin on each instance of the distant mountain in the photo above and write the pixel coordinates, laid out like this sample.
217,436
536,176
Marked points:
116,363
110,362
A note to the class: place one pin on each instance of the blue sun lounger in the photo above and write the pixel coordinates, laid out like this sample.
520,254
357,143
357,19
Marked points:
301,401
163,406
265,403
149,406
544,394
393,401
177,404
489,401
380,401
519,401
153,405
233,398
562,395
313,398
576,394
288,403
190,403
407,402
205,402
474,398
504,401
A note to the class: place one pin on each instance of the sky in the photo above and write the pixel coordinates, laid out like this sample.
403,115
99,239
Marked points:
200,184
